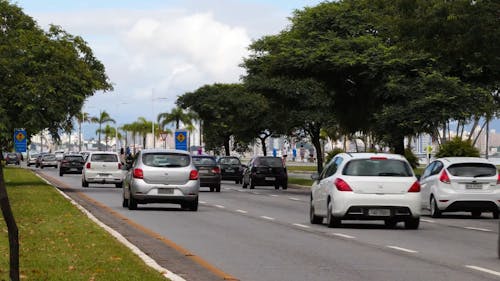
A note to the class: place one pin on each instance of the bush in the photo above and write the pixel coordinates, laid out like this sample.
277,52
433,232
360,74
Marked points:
412,159
331,154
457,147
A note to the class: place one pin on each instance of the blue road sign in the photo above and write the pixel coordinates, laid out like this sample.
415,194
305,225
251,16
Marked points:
181,140
20,140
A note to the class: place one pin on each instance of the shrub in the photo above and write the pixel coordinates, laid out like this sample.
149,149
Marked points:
331,154
457,147
412,159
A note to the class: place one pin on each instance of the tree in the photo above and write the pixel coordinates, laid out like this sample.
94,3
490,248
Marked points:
101,119
109,133
81,117
176,115
44,80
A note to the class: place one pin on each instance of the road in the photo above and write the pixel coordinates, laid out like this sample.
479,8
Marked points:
264,234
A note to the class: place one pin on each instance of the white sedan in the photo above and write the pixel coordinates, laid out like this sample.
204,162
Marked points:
366,186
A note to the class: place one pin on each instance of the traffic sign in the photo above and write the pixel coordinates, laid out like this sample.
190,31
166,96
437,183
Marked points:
181,140
20,140
163,135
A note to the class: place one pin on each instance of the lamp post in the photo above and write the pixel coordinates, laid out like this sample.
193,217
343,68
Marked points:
153,119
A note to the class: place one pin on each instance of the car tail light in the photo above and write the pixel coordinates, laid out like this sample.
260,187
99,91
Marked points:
378,158
138,173
193,175
88,165
498,179
119,166
65,161
216,170
415,187
341,185
444,177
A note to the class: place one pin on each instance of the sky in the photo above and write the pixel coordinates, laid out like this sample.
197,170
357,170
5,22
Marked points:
155,51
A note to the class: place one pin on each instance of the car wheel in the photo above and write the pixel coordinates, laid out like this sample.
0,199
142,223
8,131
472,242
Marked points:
475,214
193,206
217,188
412,223
119,185
125,203
495,214
132,204
284,186
435,212
252,185
390,223
212,189
61,173
332,221
84,183
312,216
41,167
276,186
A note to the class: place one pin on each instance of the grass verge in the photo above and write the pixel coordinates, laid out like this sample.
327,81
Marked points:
299,181
291,168
58,242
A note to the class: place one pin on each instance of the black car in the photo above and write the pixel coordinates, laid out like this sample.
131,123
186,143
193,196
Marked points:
208,171
71,164
12,158
231,168
265,170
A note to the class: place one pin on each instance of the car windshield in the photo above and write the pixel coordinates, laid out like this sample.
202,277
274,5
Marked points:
472,170
49,157
204,161
104,158
229,161
73,158
269,162
11,155
165,159
378,167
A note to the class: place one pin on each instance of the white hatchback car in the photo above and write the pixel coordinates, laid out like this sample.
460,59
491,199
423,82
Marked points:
453,184
102,167
366,186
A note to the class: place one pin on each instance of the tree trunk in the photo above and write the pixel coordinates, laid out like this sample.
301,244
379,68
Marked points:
399,145
264,147
319,152
11,227
79,136
226,146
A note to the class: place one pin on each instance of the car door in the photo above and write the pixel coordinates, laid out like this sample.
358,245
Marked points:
425,185
316,191
326,183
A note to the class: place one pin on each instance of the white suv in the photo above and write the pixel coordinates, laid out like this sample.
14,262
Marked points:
102,167
366,186
454,184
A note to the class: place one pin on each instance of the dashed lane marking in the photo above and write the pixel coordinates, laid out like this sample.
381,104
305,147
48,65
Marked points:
267,218
220,206
242,211
203,202
294,199
343,235
402,249
301,225
274,195
496,273
426,220
477,228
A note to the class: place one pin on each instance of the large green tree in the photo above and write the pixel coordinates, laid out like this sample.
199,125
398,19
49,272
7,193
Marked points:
45,77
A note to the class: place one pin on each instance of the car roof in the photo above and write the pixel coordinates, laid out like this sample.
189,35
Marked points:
456,160
73,154
203,156
103,152
364,155
155,150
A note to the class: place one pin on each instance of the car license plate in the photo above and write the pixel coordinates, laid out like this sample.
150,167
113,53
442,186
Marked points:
203,172
270,178
229,170
104,175
165,191
473,186
379,212
73,169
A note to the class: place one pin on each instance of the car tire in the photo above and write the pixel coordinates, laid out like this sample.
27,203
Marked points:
412,223
193,206
61,173
212,189
217,188
276,186
132,204
435,212
84,183
332,221
284,186
252,185
476,214
495,214
41,167
390,223
312,216
125,203
119,185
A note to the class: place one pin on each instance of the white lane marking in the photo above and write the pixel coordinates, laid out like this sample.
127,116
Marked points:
301,225
401,249
294,199
274,195
496,273
220,206
227,188
429,221
242,211
267,218
477,228
203,202
343,235
256,193
239,190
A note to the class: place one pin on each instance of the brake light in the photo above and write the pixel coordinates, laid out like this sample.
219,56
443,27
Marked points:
216,170
415,187
378,158
119,166
88,165
444,177
65,161
498,179
193,175
341,185
138,173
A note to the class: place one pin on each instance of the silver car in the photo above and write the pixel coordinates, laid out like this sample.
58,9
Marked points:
161,176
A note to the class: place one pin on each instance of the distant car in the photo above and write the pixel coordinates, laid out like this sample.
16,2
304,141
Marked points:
39,159
366,186
467,184
231,168
12,158
59,154
85,154
265,170
161,176
209,172
71,164
103,167
48,160
32,159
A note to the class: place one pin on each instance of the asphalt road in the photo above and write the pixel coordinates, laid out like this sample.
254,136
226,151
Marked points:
264,234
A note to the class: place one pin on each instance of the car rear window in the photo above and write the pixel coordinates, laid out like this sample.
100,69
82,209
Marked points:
104,158
165,159
377,167
269,162
229,161
472,170
11,155
73,158
204,161
49,157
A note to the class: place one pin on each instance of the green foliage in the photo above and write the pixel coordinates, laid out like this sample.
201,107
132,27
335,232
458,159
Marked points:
331,154
457,147
412,159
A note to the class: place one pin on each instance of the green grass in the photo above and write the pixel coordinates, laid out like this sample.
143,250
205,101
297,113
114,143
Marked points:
291,168
299,181
58,242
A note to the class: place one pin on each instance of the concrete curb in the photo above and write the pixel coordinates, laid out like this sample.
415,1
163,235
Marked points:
144,257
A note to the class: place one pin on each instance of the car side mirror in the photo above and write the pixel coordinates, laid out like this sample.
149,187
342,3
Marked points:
315,176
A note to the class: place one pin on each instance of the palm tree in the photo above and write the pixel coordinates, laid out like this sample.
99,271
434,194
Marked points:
133,129
144,128
101,119
81,117
109,133
177,115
